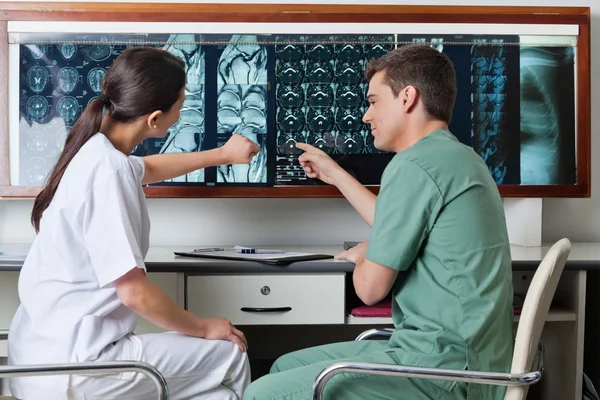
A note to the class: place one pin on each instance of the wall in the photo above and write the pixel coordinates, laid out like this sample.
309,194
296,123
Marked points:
327,221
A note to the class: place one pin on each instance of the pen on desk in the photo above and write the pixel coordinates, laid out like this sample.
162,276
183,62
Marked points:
208,249
259,251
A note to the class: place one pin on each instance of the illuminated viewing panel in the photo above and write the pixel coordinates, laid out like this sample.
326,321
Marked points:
516,101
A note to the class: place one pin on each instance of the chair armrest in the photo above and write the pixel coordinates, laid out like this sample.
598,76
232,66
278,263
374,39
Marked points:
489,378
375,332
90,368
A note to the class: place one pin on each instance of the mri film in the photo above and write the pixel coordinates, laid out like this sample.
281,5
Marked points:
53,93
59,80
68,78
320,100
67,51
188,133
37,79
489,89
242,105
37,108
94,79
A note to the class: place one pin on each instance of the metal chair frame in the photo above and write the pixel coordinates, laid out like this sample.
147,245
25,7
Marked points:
93,368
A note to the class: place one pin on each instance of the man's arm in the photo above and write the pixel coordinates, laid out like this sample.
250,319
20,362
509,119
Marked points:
361,198
160,167
372,281
317,164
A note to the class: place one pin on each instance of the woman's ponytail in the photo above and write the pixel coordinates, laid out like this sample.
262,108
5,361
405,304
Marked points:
84,128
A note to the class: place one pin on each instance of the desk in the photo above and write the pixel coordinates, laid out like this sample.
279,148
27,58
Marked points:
295,295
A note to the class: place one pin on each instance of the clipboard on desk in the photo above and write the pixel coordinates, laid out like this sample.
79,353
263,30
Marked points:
280,258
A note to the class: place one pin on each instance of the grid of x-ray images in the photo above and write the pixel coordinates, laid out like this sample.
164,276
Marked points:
242,105
515,103
57,81
320,96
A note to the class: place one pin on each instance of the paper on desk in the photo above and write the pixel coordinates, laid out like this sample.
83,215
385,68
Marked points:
232,253
278,256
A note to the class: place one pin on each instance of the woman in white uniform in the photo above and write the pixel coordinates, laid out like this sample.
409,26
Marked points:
84,285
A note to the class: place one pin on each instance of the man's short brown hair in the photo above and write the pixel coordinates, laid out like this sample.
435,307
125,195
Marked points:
430,71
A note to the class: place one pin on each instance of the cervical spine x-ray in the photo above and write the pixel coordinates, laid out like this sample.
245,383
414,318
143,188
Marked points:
515,103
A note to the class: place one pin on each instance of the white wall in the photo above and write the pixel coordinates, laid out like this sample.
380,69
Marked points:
327,221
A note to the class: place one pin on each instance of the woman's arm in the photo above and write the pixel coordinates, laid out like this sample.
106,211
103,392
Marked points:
160,167
148,301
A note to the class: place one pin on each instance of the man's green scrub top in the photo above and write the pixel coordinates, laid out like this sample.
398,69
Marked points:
439,220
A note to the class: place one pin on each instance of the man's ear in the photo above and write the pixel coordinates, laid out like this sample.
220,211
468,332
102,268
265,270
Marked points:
154,119
409,97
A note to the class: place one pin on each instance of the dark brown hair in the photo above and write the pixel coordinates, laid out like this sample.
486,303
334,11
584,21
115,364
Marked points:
140,81
430,71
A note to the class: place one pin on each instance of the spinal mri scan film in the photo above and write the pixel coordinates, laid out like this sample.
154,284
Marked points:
187,134
515,103
242,105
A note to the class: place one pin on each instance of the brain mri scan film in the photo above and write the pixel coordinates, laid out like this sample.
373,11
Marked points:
37,79
67,51
94,79
68,78
37,108
320,100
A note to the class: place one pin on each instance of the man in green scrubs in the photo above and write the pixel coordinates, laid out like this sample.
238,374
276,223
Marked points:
438,241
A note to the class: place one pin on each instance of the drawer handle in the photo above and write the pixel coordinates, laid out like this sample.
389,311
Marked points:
266,310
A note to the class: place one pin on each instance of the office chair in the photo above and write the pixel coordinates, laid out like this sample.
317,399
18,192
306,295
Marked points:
104,367
527,343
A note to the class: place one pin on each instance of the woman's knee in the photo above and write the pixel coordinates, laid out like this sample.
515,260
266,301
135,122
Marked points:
238,368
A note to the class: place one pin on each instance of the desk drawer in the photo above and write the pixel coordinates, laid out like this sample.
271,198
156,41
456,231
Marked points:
269,299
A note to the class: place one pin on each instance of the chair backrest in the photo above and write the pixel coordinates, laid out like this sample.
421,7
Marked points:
534,313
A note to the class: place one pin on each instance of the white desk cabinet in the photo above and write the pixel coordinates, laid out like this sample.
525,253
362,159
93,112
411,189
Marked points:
268,299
